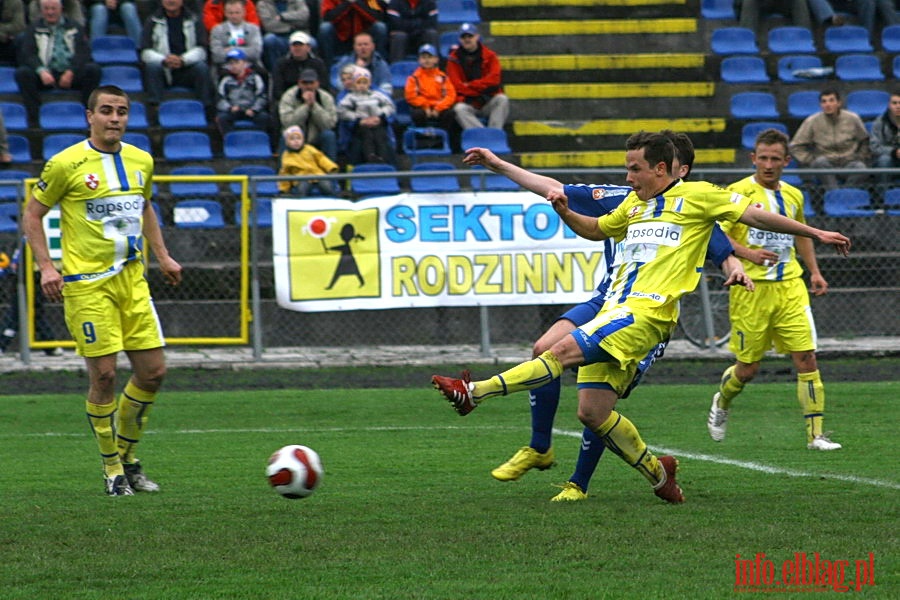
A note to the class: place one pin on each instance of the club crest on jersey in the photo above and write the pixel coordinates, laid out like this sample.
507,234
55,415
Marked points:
598,193
634,211
92,181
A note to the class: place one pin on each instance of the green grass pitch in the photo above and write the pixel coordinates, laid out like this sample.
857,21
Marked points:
407,507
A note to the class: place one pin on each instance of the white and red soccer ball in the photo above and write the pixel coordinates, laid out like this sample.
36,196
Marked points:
295,471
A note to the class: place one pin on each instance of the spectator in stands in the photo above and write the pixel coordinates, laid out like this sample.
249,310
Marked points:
54,55
281,18
343,19
313,110
73,11
242,94
5,156
411,24
173,51
871,14
368,112
235,32
365,56
474,71
214,13
124,12
298,59
750,11
823,13
429,92
884,139
300,158
833,138
12,24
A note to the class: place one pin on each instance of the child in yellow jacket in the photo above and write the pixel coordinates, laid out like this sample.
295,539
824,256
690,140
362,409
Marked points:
300,158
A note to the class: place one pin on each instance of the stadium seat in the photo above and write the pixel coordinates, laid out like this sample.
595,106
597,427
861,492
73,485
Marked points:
141,140
55,142
14,116
248,143
263,212
8,83
434,183
491,182
733,40
458,11
127,77
190,189
491,138
10,192
198,214
847,38
114,50
744,69
448,39
137,116
187,145
402,116
19,147
802,104
717,9
788,175
892,201
381,186
868,104
158,211
895,67
791,68
751,130
858,67
754,105
263,188
791,40
847,202
182,114
63,115
9,217
334,76
400,71
413,142
890,39
808,210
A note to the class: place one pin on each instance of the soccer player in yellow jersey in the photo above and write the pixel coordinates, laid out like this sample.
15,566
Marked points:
664,226
102,187
779,310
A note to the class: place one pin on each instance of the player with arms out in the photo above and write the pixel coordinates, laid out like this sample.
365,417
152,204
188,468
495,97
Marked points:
594,200
665,226
779,311
102,187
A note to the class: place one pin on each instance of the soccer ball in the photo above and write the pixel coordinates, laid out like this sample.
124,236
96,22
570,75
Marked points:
294,471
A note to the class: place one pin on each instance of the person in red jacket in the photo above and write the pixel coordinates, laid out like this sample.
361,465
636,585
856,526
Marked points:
429,92
343,19
474,71
214,13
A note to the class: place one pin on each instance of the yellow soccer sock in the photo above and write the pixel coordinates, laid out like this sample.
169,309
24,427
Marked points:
729,387
524,376
102,418
811,394
134,408
622,437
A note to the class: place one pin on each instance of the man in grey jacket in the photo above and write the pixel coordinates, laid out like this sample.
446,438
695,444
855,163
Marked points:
884,139
313,110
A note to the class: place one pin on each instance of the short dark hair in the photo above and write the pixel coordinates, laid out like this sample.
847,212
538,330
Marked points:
770,137
112,90
657,148
830,91
684,148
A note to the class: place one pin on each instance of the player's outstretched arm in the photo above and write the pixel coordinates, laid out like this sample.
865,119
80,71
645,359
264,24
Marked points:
735,274
539,184
583,225
761,219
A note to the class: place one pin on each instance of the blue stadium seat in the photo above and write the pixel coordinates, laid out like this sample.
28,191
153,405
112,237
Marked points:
55,142
127,77
890,39
400,71
190,189
858,67
402,116
249,143
458,11
182,114
808,210
802,104
847,38
198,214
733,40
491,182
14,116
752,129
19,147
9,217
754,105
892,201
895,67
8,83
10,192
335,76
141,140
413,142
187,145
114,50
801,63
717,9
434,183
263,188
847,202
263,212
448,39
158,211
744,69
63,115
491,138
791,40
868,104
137,116
381,186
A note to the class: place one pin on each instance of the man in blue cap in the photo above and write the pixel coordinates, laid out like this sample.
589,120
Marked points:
474,71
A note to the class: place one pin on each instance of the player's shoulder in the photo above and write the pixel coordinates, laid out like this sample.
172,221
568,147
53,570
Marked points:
131,153
597,191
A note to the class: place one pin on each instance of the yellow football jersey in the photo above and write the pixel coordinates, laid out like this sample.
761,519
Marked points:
788,202
663,243
101,196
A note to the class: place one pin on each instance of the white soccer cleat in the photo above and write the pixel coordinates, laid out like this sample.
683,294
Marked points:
718,420
820,442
